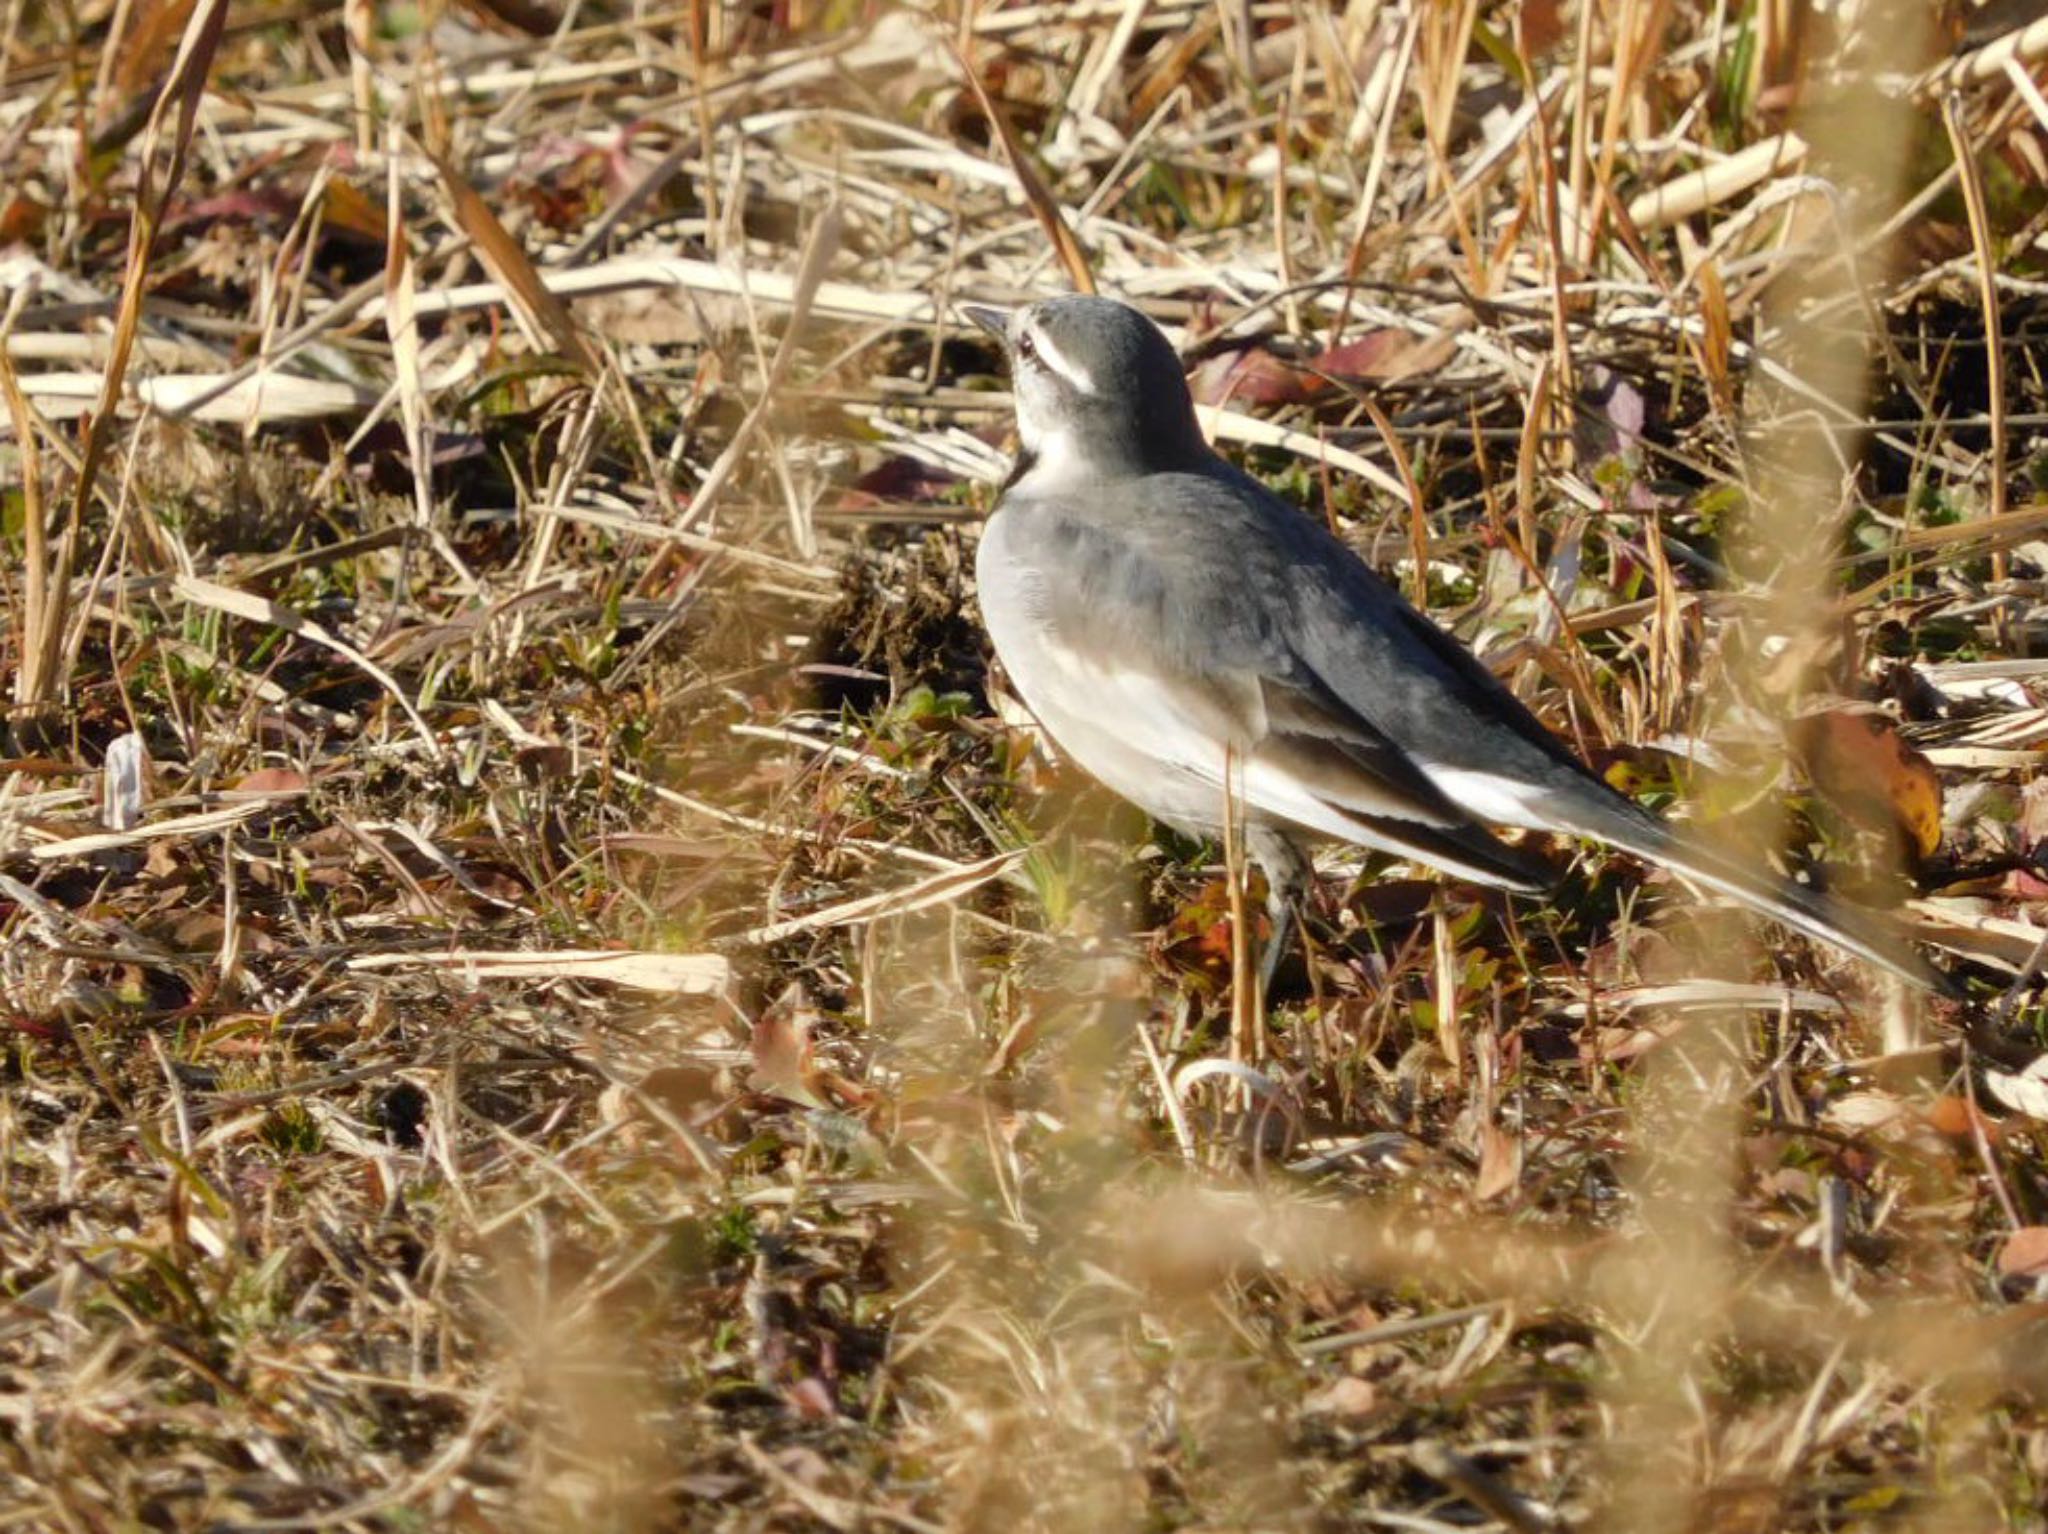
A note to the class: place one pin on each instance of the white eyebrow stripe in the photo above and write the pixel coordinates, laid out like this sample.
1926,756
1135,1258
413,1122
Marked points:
1059,362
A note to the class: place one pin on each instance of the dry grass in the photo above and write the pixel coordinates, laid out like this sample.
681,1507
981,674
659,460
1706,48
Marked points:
586,1012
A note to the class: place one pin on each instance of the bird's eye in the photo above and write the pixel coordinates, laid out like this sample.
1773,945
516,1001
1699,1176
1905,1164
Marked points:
1027,349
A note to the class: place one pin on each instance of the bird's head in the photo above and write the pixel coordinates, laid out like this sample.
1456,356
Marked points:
1099,390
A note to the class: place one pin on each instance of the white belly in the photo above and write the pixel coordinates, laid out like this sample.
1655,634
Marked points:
1115,723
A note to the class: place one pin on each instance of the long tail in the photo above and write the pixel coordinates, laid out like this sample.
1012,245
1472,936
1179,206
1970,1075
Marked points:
1854,930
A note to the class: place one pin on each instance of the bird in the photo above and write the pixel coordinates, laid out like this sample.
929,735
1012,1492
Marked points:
1183,634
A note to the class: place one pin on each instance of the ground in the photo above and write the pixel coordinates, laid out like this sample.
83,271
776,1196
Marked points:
550,985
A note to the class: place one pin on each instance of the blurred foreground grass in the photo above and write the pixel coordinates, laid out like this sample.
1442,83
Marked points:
549,989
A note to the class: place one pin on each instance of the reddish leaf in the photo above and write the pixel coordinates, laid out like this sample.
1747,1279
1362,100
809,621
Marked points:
811,1400
2025,1253
1858,761
1542,26
236,207
1250,376
1953,1116
21,218
272,780
1386,356
1197,938
897,479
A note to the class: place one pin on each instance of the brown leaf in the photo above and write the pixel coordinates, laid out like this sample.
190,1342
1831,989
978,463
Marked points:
781,1046
1196,940
21,218
1386,356
544,313
344,206
1500,1162
518,15
1717,332
1043,205
1542,26
1173,64
272,780
198,931
1958,1119
1859,763
1251,376
2025,1253
152,33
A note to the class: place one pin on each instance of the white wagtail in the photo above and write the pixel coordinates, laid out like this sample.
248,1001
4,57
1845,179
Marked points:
1169,620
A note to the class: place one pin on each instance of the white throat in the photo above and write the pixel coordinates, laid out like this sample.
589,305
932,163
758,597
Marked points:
1056,460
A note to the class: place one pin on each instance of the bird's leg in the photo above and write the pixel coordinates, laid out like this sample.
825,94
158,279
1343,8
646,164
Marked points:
1288,871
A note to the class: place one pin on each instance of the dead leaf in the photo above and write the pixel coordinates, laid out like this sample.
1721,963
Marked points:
517,15
2025,1253
272,780
201,823
199,931
546,317
21,218
1386,356
1611,425
1960,1119
650,317
152,33
1251,376
811,1399
344,207
1037,195
1858,1112
124,782
1500,1163
781,1046
1861,765
1542,24
1196,940
1346,1397
1717,331
680,974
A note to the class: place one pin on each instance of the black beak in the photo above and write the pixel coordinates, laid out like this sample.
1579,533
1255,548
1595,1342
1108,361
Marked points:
995,321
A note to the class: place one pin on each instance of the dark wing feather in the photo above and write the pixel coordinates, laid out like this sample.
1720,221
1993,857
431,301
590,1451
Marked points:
1175,597
1365,697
